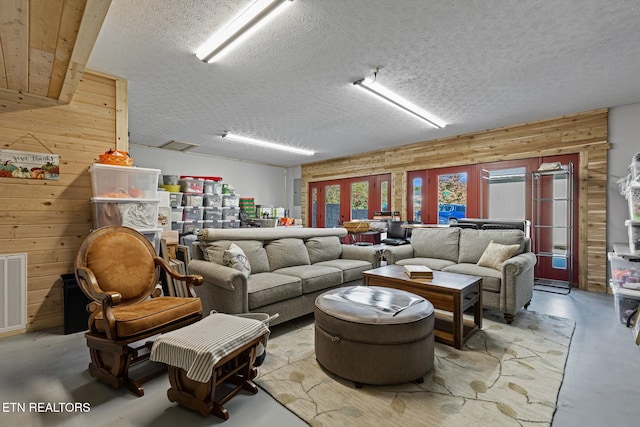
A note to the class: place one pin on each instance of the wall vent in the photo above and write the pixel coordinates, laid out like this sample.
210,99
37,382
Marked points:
13,292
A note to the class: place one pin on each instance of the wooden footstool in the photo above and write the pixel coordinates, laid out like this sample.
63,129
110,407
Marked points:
220,348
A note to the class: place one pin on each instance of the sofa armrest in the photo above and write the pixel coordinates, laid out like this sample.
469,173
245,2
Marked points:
517,282
519,263
216,274
363,253
224,288
393,254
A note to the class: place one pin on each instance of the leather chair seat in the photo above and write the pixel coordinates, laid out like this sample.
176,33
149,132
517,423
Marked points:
132,320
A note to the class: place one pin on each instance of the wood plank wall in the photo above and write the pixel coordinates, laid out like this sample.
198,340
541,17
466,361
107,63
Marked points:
582,133
49,219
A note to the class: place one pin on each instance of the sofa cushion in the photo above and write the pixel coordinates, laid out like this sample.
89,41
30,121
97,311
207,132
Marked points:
491,278
474,242
323,248
234,257
255,252
432,263
214,251
287,253
440,243
268,288
314,277
496,254
351,268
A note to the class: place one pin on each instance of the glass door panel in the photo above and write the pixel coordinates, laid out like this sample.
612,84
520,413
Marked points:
314,207
506,196
384,196
453,194
452,197
359,200
416,195
332,206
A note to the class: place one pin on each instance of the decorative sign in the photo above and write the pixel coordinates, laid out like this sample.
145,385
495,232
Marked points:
27,164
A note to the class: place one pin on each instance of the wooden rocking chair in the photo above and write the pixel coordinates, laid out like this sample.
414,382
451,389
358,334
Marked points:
118,269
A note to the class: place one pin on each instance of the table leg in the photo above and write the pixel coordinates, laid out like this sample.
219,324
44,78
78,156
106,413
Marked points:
458,321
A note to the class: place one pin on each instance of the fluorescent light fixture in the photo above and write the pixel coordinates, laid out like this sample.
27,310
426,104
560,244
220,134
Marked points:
266,144
399,102
240,28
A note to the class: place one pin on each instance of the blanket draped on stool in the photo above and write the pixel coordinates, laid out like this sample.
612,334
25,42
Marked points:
197,348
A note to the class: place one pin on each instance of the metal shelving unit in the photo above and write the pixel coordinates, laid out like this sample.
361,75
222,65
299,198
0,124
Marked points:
542,205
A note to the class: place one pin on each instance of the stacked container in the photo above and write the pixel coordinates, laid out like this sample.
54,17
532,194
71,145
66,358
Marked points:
625,261
126,195
248,206
198,205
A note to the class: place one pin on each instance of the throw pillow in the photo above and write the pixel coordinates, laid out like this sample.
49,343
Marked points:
496,254
234,257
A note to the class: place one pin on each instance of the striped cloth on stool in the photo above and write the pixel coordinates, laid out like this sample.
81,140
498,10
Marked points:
198,348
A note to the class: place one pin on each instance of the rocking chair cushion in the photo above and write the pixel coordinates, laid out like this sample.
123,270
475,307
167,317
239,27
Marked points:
150,314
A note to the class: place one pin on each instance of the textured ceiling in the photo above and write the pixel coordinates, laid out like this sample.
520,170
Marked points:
476,64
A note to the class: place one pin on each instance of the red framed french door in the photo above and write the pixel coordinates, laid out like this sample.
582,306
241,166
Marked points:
442,196
333,202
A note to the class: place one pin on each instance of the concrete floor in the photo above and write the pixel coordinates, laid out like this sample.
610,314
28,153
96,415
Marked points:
601,385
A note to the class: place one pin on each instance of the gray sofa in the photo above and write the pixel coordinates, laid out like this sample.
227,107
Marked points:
288,268
507,288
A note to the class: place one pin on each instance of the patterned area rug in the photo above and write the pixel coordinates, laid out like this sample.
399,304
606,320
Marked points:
506,375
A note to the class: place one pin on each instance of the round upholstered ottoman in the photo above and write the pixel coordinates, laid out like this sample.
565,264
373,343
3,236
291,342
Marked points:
360,336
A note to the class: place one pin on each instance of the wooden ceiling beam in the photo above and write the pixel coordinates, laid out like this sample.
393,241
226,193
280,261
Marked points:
95,12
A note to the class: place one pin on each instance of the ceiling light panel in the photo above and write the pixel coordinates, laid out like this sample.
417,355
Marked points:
266,144
399,102
240,28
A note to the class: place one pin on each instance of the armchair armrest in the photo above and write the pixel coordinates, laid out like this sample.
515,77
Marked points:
103,300
189,279
394,254
89,285
362,253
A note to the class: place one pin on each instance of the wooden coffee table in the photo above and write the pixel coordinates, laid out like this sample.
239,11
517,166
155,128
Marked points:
448,292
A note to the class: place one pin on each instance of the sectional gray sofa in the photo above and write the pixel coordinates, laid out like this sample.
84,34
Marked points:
277,270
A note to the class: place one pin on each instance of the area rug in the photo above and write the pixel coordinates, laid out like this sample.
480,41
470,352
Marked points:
506,375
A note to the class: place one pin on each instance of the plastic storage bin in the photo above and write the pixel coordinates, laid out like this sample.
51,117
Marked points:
134,213
175,199
230,201
625,301
212,200
189,227
211,214
154,236
124,181
634,236
233,223
230,213
190,199
212,187
633,197
216,223
177,226
191,185
625,273
177,213
192,214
